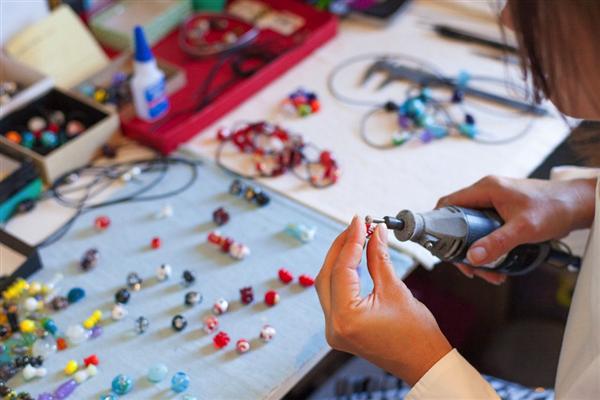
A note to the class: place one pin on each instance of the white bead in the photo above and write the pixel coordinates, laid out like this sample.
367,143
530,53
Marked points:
165,212
239,251
118,312
267,333
135,171
92,370
41,372
77,334
29,372
164,272
220,306
81,376
31,304
126,177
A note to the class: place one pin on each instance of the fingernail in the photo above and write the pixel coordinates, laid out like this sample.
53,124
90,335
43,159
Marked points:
477,254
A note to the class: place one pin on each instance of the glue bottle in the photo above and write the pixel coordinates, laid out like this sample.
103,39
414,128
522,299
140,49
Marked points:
148,82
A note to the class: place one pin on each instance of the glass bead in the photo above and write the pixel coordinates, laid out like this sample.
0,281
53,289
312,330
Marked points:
468,130
118,312
102,222
90,259
306,280
164,272
267,333
141,325
239,251
271,297
180,382
122,384
75,295
246,295
426,136
157,373
109,396
122,296
192,298
155,243
96,332
44,347
221,340
134,281
188,278
220,306
49,139
13,136
285,276
262,199
236,187
301,232
179,323
220,216
211,323
242,346
77,334
65,390
28,139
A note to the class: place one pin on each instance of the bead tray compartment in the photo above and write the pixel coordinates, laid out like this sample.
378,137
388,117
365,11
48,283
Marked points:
268,370
76,151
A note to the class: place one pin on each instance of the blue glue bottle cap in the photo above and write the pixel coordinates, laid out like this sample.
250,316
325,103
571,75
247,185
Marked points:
142,50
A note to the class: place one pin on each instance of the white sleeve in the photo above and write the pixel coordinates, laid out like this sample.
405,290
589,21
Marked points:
452,377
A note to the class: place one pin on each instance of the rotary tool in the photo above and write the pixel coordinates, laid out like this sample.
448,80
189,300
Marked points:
449,232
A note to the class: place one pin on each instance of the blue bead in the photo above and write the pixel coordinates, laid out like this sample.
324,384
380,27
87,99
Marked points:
27,139
426,94
438,131
49,139
189,397
463,79
180,382
157,373
469,119
75,295
468,130
122,384
87,90
415,107
301,232
110,396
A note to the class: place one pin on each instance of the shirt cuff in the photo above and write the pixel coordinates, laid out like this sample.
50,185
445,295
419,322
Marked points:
452,377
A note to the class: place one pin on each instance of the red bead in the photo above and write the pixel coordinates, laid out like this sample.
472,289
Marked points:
271,297
215,238
306,280
93,359
226,244
220,216
61,344
102,222
246,295
326,159
221,340
315,105
155,243
53,127
285,276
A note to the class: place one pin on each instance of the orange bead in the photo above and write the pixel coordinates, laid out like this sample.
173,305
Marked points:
315,105
61,344
13,136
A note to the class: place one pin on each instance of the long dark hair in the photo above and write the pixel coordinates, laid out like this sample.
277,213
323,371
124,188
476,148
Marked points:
557,39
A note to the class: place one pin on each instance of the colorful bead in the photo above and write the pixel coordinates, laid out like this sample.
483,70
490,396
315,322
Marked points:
242,346
65,389
180,382
239,251
188,278
271,297
165,212
157,373
122,384
285,276
74,128
164,272
155,243
267,333
61,344
220,306
140,325
92,320
301,232
211,323
90,259
118,312
246,295
179,323
27,326
236,187
122,296
221,340
306,280
36,124
134,281
301,103
102,223
49,139
220,216
59,303
76,294
71,367
13,136
96,332
192,298
50,326
91,360
28,139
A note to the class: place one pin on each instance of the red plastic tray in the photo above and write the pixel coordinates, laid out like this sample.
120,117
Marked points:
185,122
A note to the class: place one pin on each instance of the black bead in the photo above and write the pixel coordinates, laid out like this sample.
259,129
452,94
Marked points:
134,281
59,303
192,298
24,396
26,205
469,119
390,106
3,331
90,259
179,323
122,296
236,187
262,199
37,361
188,278
458,96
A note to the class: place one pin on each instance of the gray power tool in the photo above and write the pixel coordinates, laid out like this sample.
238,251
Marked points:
448,233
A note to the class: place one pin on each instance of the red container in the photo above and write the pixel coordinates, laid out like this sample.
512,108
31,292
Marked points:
185,120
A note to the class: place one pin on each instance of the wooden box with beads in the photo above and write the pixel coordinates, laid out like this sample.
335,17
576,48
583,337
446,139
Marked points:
59,131
19,84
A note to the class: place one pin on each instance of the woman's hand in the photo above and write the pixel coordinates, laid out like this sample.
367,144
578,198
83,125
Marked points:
533,211
389,327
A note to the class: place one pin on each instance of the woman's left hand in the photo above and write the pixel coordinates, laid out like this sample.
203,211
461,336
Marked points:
388,327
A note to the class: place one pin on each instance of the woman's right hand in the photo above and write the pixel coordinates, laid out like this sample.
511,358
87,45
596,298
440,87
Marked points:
533,211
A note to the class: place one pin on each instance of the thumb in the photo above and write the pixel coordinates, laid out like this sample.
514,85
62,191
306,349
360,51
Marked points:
380,266
496,244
